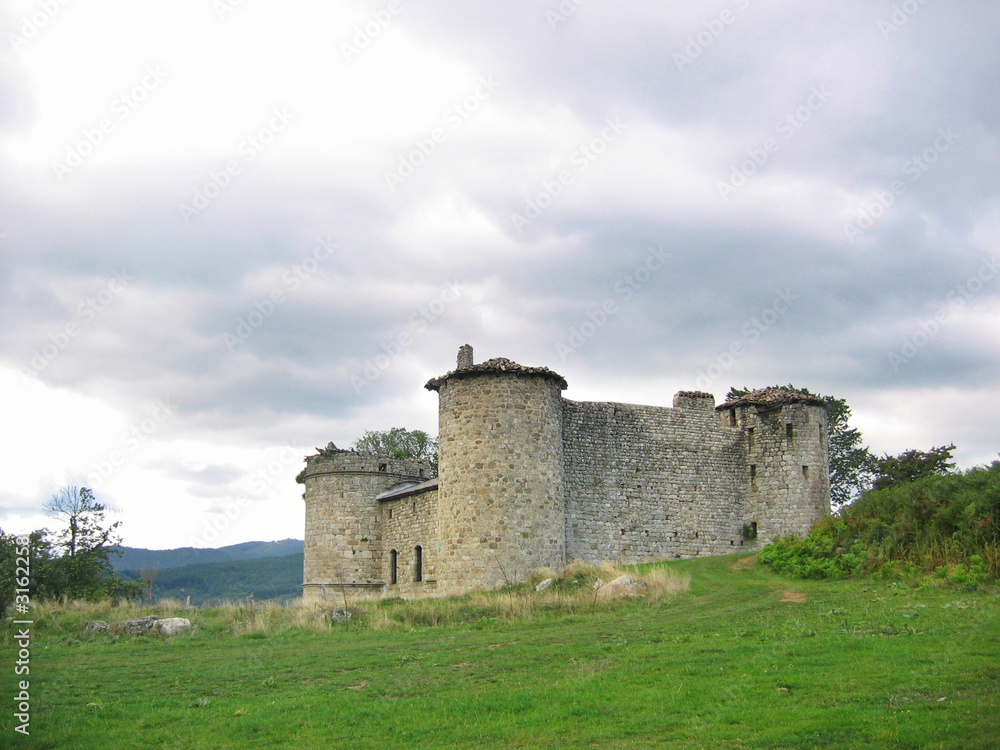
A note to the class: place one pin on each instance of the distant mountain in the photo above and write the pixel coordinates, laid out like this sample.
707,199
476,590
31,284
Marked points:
135,558
232,580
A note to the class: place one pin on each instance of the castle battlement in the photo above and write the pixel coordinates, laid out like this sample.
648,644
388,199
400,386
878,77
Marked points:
529,479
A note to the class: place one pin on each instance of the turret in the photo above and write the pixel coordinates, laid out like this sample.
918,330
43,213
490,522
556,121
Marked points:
787,454
501,505
343,533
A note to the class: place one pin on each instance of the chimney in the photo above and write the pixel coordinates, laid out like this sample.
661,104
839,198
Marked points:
464,357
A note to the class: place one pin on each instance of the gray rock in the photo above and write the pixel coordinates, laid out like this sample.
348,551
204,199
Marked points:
138,626
172,625
98,625
340,615
545,584
624,586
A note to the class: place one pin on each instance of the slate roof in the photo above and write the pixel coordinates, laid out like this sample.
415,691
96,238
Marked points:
408,489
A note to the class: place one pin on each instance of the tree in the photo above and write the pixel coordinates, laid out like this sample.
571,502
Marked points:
913,464
399,442
9,548
852,465
81,567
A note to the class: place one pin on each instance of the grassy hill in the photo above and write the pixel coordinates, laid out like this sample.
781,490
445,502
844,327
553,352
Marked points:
136,558
278,578
746,659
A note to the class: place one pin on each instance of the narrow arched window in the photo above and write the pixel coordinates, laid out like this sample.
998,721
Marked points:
418,565
393,566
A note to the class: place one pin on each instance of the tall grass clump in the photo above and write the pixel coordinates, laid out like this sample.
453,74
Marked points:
948,526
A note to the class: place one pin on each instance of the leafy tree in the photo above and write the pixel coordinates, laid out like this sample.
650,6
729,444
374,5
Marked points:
913,464
43,576
399,442
78,564
8,560
852,465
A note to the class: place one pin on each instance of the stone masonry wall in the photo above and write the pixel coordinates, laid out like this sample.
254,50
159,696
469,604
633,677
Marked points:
501,474
343,535
788,472
646,482
408,522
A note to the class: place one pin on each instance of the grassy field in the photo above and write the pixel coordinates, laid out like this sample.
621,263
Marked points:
745,659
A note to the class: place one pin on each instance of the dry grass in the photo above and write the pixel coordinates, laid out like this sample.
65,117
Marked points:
573,590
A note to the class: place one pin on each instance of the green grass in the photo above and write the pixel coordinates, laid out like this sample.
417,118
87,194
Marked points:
731,664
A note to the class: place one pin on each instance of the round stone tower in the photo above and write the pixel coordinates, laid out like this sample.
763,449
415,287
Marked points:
501,504
343,533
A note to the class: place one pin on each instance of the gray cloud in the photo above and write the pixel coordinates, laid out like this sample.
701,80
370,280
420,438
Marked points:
875,199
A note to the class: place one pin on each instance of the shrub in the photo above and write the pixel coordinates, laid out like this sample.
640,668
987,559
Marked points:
946,526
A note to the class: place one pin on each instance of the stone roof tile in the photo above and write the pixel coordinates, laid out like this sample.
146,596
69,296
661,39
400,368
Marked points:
772,398
497,365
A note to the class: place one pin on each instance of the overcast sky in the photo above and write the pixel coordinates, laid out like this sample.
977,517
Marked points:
231,231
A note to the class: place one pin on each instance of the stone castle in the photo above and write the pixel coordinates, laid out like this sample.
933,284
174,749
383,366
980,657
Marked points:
528,479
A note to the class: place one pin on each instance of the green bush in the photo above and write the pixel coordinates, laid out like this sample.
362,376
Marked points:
945,526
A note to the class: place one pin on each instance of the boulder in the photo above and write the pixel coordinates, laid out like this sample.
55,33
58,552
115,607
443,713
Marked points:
98,625
340,615
623,586
545,584
172,625
138,626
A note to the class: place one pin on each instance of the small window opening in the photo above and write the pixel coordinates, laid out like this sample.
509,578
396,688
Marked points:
753,476
789,432
805,473
393,566
390,512
750,438
414,506
418,565
821,435
383,467
732,417
421,473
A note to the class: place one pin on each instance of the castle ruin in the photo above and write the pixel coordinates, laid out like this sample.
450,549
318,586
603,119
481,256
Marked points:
528,479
